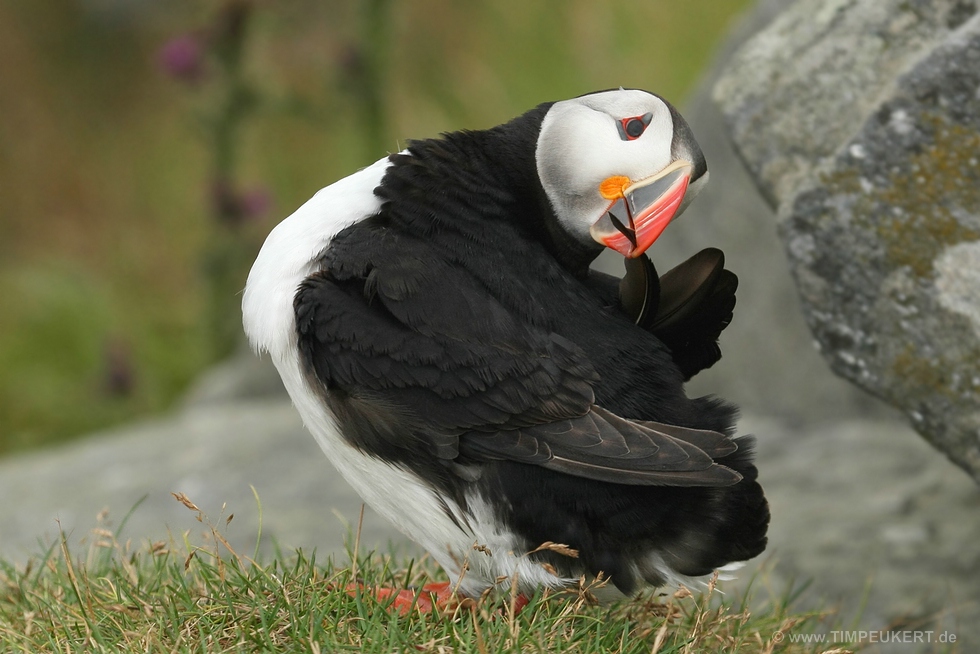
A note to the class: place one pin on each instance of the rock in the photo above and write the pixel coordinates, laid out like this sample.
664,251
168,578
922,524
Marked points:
242,376
769,365
860,123
873,520
213,453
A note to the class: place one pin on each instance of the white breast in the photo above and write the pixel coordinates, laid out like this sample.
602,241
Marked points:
287,257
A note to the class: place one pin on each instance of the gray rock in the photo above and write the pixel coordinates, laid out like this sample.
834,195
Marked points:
213,453
860,122
770,365
877,523
243,376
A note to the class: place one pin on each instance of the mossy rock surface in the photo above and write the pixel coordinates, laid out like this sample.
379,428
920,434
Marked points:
860,122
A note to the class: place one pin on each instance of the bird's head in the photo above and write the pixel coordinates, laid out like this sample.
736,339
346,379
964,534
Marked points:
618,167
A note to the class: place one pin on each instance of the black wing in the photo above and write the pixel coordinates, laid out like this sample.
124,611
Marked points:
417,358
687,308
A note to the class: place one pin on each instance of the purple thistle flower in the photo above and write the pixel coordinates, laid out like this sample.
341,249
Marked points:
235,207
182,57
256,201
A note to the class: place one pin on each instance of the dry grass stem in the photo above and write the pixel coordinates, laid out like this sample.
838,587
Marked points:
558,548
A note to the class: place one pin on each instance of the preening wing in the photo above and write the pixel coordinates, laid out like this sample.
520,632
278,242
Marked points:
418,355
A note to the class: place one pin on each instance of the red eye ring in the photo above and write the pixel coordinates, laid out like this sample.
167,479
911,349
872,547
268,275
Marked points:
633,127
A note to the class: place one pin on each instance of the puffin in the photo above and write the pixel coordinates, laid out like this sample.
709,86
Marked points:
519,415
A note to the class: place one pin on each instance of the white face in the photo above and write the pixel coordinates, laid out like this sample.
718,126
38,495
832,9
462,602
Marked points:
583,143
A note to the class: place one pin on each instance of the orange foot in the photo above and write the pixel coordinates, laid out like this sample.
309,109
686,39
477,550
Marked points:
429,599
519,603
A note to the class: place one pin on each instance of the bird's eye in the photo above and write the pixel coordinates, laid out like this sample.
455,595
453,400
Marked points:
631,128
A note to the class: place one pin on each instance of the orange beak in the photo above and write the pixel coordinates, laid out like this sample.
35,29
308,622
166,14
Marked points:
640,212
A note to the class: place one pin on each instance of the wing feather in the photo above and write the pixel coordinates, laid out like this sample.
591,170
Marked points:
413,350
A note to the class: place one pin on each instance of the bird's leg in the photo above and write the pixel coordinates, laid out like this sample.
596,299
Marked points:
520,602
430,598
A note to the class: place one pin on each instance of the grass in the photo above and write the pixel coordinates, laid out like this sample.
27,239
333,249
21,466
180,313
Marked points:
182,597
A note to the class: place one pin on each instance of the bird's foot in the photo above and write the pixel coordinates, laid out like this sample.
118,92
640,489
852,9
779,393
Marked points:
519,603
431,598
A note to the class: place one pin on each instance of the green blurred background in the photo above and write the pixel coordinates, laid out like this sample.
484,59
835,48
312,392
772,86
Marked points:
115,243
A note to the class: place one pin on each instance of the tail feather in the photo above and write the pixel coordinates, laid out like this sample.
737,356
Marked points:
734,525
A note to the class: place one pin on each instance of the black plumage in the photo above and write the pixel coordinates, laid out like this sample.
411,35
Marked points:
460,333
686,309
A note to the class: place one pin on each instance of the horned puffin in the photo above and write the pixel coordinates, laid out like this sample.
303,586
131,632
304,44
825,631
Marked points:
436,323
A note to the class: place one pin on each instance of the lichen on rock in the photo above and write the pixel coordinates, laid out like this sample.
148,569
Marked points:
861,124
